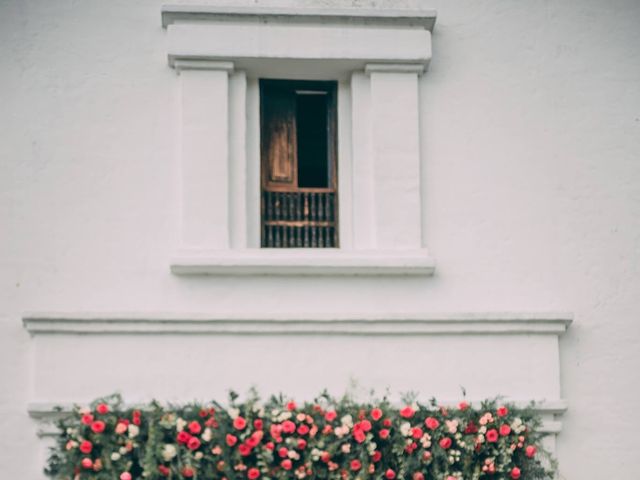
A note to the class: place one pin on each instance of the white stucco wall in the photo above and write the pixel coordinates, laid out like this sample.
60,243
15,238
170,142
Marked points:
530,145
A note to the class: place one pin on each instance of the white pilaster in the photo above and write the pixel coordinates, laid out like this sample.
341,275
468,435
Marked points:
396,154
205,153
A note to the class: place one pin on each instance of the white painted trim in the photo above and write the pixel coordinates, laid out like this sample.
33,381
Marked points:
303,261
45,413
202,64
384,324
423,18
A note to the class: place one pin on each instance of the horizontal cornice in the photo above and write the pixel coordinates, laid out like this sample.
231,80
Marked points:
423,18
384,324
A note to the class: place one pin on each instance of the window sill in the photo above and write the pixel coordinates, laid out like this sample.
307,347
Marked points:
302,262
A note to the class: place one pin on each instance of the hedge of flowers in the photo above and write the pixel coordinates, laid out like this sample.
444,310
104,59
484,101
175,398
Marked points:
281,439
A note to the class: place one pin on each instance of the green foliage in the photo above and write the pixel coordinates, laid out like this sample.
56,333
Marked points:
329,438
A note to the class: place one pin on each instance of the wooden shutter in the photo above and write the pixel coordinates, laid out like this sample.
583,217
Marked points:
279,138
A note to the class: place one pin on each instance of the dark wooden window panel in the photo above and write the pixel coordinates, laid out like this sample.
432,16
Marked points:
299,200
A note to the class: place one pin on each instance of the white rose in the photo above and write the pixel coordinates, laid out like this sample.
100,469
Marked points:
168,452
405,429
133,430
115,456
123,451
233,412
346,448
207,434
347,420
198,455
180,424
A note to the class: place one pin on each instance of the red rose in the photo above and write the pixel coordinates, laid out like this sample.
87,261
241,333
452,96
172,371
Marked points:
86,463
445,442
502,411
258,424
244,449
359,436
231,440
471,428
195,428
98,426
416,432
239,423
376,414
269,446
136,417
492,435
86,446
125,476
431,423
183,437
253,473
193,443
407,412
505,430
384,433
411,447
330,416
102,409
515,473
288,426
286,464
325,457
291,406
283,452
163,470
376,457
390,474
303,429
418,476
355,465
530,451
187,472
86,419
302,444
386,422
463,406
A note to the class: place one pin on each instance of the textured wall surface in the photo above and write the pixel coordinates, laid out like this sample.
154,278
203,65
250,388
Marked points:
530,144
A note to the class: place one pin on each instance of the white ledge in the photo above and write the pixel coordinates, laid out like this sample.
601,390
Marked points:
46,413
319,324
424,18
302,261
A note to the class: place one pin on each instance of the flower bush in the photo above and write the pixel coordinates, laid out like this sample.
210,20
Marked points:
280,439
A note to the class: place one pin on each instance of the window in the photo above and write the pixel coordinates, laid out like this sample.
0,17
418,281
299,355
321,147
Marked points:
299,198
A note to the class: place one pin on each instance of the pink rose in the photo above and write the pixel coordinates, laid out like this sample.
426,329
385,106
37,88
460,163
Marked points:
505,430
492,435
384,433
286,464
288,426
462,406
86,463
253,473
102,409
193,443
291,406
530,451
431,423
86,446
86,419
502,411
390,474
416,432
330,416
376,414
98,426
125,476
407,412
239,423
445,442
195,428
355,465
231,440
515,473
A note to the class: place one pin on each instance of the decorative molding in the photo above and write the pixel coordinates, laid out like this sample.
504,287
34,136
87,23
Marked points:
45,413
304,324
303,262
423,18
394,68
201,64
